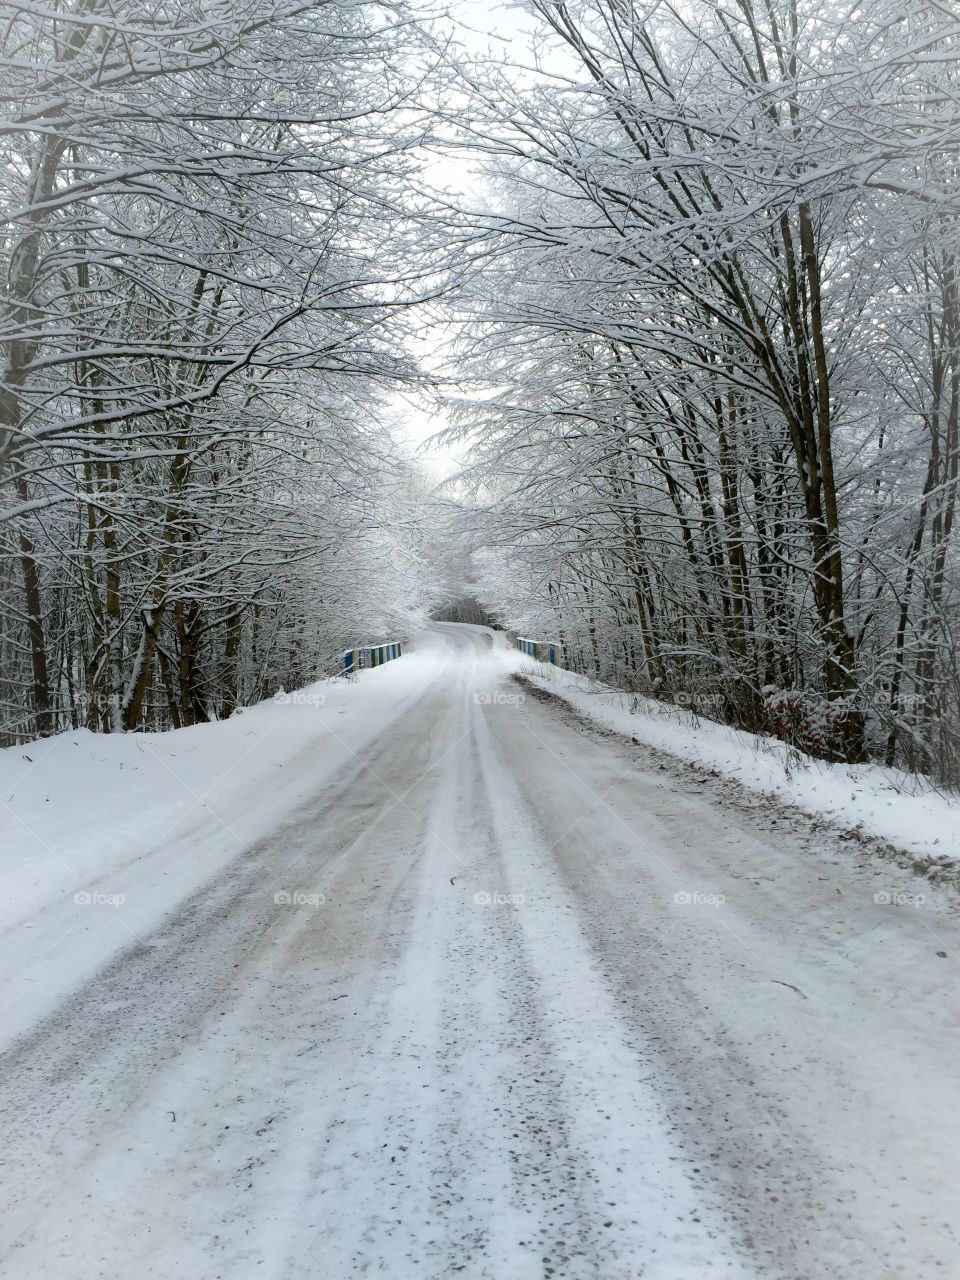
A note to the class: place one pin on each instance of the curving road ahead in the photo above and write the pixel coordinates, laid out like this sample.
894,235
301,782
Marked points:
541,1004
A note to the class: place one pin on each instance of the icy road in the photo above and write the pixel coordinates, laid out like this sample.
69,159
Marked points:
500,996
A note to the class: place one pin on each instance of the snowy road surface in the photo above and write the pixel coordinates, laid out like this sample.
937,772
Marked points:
505,997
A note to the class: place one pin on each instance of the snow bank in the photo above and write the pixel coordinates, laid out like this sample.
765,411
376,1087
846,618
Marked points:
105,834
905,810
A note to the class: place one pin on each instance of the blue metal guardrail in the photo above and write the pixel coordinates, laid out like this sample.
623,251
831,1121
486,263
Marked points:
542,650
370,655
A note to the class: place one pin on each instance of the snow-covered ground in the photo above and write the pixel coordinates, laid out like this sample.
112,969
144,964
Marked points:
440,984
103,834
897,807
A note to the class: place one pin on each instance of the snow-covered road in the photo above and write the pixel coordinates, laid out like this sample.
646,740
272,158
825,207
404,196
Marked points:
506,997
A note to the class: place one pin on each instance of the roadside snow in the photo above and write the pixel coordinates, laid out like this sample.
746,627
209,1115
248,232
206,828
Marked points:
895,806
103,834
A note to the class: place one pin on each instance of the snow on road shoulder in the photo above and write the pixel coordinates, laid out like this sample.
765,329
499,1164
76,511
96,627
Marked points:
887,803
103,834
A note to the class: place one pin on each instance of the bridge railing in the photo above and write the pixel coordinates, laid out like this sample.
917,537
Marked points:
370,655
542,650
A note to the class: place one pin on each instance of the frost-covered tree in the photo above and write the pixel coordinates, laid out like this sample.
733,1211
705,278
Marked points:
714,309
210,242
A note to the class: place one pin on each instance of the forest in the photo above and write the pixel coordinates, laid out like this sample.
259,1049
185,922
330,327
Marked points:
677,282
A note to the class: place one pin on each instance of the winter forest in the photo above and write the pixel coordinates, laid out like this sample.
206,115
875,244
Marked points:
676,285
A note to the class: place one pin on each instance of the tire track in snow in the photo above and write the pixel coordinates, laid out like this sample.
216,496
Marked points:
647,1213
